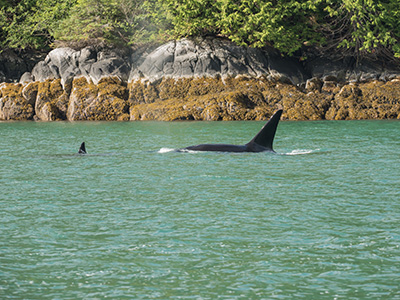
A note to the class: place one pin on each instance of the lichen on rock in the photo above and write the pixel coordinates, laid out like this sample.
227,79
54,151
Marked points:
13,105
372,100
203,99
51,101
104,101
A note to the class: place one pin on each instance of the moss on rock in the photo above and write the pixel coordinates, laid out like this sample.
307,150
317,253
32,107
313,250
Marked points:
195,98
384,98
29,92
51,101
142,93
250,98
104,101
372,100
239,98
13,105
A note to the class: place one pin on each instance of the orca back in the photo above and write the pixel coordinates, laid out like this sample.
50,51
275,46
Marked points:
261,142
265,137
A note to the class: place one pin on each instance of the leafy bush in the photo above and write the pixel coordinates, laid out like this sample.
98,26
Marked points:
355,27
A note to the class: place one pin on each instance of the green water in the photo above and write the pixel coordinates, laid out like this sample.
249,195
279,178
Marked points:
134,220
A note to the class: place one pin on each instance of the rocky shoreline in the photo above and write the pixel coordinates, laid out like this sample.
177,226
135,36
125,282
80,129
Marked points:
210,79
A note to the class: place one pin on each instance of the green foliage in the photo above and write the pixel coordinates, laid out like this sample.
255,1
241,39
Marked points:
38,23
284,24
87,20
30,23
355,27
15,27
364,26
135,22
125,22
193,17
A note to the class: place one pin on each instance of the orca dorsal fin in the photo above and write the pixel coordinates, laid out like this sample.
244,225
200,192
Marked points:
82,149
265,137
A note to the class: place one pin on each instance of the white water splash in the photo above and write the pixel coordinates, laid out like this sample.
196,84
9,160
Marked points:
301,151
166,150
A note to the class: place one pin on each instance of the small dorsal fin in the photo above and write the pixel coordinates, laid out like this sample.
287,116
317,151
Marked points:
82,149
265,137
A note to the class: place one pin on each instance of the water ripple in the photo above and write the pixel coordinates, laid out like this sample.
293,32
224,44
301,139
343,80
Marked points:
320,222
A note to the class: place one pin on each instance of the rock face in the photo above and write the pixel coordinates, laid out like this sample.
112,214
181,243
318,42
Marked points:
13,105
247,98
349,70
51,102
13,64
209,79
214,57
66,64
185,58
105,101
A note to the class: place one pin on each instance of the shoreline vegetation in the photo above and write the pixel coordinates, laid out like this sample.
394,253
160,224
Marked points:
199,60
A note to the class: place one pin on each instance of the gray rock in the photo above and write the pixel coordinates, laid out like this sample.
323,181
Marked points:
348,69
313,84
329,69
211,57
66,63
26,78
42,72
189,58
12,66
29,92
14,107
3,77
109,67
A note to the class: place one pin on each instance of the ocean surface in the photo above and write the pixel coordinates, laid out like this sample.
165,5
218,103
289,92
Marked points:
134,219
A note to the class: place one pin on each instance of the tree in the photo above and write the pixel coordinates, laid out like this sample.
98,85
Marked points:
88,20
351,27
285,24
362,27
125,22
13,20
30,23
141,21
193,17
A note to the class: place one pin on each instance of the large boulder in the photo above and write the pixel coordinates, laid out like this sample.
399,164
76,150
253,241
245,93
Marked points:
348,69
104,101
13,105
13,64
214,57
371,100
66,64
51,102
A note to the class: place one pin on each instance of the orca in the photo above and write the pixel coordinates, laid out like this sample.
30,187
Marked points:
262,142
82,149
